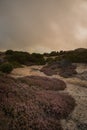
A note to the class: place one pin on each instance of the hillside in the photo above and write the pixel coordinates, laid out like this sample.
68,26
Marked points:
33,103
49,96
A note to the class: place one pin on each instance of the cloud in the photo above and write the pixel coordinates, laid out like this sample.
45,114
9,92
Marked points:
43,25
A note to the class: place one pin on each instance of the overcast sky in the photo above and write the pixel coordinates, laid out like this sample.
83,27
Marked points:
43,25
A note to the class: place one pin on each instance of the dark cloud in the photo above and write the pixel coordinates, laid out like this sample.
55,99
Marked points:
43,25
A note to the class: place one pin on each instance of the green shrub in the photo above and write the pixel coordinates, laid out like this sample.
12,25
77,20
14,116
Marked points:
37,59
1,74
9,52
49,60
16,64
6,67
19,57
76,56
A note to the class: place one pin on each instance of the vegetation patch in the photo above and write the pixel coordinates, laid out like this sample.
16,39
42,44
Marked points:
24,108
24,58
62,67
6,68
44,82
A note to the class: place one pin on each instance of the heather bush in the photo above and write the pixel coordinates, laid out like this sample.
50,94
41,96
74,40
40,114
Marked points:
23,107
44,83
62,67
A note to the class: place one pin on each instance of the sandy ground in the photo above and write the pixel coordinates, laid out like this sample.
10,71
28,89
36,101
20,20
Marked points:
26,71
81,68
78,90
76,87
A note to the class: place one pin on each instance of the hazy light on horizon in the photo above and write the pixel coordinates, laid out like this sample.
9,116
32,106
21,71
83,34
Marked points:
43,25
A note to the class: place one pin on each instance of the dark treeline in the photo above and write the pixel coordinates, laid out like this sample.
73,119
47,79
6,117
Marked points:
19,58
75,56
24,58
14,59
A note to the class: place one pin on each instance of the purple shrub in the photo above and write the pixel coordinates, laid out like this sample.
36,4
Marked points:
62,68
44,82
24,107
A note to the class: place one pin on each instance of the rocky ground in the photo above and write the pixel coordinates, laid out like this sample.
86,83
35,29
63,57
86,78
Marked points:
76,87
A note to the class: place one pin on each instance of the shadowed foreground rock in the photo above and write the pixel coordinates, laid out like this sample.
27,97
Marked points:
31,103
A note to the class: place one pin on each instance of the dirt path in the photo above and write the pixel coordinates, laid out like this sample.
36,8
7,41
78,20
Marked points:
78,118
76,87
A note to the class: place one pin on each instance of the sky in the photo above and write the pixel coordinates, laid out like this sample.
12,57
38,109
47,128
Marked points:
43,25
